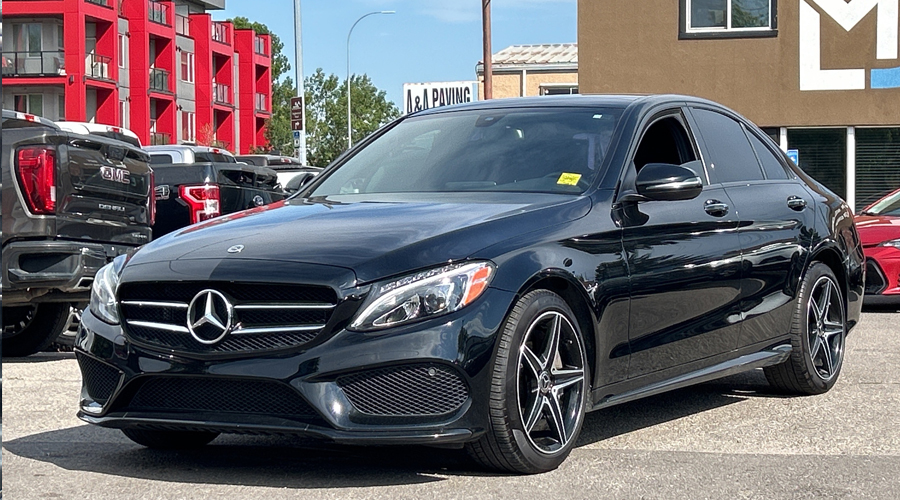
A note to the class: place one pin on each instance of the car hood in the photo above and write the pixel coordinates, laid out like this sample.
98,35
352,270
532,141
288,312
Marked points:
875,229
376,236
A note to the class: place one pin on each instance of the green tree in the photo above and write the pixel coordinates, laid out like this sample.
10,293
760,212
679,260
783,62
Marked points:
278,127
326,114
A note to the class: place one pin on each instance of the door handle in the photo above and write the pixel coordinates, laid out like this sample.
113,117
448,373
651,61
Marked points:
796,203
715,208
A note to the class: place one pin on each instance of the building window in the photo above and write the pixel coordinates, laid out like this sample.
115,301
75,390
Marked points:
61,106
29,103
60,37
559,88
123,53
728,18
823,155
188,126
877,164
187,67
28,38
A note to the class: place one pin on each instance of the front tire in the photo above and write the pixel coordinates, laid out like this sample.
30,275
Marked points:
170,440
539,388
818,331
30,329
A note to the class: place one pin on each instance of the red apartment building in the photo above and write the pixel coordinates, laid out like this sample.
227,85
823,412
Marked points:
164,69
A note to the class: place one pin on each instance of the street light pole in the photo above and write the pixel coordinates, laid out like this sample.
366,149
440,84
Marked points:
349,115
301,92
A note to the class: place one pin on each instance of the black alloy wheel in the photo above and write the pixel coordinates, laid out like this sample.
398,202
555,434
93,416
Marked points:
819,331
30,329
539,388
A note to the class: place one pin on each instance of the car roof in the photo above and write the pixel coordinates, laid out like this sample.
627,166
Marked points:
574,101
15,115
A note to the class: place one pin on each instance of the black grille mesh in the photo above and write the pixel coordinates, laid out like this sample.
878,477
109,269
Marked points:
231,344
100,379
220,395
406,390
875,280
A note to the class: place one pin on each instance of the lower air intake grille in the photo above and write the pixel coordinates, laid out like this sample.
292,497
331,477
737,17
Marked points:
406,390
220,395
100,379
875,280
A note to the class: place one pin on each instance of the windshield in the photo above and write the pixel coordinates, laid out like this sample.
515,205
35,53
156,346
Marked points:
887,206
530,150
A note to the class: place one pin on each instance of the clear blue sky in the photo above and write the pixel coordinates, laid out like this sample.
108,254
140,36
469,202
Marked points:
425,41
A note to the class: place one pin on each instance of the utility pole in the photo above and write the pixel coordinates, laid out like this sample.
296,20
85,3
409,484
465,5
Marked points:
488,64
301,92
349,111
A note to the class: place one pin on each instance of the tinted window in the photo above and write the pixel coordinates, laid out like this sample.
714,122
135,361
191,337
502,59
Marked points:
773,167
527,150
731,157
161,159
252,160
213,158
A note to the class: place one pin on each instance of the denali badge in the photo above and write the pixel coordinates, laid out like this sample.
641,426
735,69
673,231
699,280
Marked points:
209,317
114,174
236,249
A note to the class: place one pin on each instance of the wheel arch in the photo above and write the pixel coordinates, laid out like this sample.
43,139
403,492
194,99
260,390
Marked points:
829,255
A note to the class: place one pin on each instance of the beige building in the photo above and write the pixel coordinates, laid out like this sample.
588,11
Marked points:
532,70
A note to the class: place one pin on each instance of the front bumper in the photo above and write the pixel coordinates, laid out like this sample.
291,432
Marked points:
459,346
49,270
882,275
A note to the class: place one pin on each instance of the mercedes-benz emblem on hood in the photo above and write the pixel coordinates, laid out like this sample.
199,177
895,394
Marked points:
236,249
209,317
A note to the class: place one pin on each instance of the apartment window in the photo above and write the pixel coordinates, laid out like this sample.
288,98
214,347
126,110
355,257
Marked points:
559,88
28,38
188,126
728,18
187,67
29,103
61,106
60,36
123,53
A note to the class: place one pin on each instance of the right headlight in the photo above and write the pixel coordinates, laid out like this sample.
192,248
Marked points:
423,295
103,291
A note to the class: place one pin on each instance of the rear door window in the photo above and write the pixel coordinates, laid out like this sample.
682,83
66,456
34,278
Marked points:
730,158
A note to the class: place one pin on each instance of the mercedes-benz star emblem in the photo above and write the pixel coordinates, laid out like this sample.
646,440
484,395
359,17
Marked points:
236,249
210,317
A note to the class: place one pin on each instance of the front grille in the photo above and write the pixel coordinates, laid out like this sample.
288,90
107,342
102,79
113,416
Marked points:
183,394
422,389
100,379
265,316
875,279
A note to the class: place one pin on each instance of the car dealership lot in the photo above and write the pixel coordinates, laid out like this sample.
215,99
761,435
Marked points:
727,439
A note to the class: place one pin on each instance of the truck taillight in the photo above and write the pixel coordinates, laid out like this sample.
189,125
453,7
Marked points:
36,168
151,199
203,201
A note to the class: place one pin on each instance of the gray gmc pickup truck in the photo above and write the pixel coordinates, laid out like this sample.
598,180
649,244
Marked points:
71,203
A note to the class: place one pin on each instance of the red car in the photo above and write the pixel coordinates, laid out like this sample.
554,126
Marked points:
879,230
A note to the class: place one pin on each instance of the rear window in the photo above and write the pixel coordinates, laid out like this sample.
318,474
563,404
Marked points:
213,158
161,159
261,162
119,137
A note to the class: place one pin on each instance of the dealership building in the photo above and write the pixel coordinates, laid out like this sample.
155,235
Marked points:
163,69
821,77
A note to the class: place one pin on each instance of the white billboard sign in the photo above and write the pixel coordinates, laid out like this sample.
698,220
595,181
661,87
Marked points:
419,96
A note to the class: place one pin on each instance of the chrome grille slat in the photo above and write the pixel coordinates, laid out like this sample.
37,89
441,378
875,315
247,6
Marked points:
156,314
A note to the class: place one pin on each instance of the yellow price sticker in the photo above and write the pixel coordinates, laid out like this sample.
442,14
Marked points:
567,179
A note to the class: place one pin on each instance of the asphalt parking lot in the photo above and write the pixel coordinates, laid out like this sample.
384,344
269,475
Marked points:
732,439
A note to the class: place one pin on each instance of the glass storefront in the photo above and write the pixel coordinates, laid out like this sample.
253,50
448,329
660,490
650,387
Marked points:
877,164
823,155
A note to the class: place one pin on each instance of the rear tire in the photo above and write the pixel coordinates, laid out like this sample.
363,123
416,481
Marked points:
539,388
818,331
170,440
30,329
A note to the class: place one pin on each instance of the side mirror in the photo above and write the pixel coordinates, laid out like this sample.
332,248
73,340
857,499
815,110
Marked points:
664,181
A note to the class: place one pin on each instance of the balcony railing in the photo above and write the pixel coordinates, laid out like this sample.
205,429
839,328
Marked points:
157,139
222,94
260,45
220,33
158,13
262,102
96,66
34,63
182,25
102,3
159,80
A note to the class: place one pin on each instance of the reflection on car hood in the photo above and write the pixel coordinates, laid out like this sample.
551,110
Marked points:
875,229
374,235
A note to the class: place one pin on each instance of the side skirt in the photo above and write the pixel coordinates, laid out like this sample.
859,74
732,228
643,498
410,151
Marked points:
768,357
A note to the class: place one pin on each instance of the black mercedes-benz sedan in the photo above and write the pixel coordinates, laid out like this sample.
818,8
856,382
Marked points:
482,275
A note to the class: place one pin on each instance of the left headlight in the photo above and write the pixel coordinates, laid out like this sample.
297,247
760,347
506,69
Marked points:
103,291
891,243
423,295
